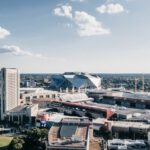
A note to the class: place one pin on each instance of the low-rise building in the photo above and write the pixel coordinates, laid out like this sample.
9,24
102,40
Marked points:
27,95
47,119
23,114
118,144
123,129
72,134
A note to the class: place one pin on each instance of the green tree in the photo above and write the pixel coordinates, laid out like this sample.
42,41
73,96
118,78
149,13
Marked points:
44,134
35,139
16,143
105,133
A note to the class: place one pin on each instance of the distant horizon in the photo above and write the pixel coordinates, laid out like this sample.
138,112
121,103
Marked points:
142,73
83,72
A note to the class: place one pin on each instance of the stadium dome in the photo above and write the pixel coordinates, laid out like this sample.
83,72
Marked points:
75,80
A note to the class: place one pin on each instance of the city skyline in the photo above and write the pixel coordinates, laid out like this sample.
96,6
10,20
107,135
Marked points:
108,36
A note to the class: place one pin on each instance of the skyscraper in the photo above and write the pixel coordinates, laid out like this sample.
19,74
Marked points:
9,90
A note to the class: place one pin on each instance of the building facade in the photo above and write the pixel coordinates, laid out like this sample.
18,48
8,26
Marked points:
9,90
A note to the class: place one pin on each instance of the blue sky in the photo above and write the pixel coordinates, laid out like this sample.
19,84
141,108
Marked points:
47,36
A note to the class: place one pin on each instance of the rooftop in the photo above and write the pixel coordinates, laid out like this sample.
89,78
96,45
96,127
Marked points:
123,124
68,134
137,114
20,108
35,90
76,97
127,144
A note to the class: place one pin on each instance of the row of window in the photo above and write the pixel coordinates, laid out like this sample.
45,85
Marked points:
41,96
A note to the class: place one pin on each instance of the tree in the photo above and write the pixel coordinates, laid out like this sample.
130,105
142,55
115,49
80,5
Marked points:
105,133
44,134
18,146
16,143
32,140
35,139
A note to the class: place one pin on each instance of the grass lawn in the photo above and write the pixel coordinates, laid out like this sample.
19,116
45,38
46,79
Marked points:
4,142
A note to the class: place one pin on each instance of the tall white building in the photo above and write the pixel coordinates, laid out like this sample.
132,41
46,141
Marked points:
9,90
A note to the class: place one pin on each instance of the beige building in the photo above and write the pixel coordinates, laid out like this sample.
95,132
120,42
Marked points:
23,114
9,90
27,95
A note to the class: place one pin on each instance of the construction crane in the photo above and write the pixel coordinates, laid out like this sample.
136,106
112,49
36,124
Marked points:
143,83
136,83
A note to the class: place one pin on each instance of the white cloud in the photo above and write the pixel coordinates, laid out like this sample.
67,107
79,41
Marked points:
110,8
65,11
78,0
3,33
88,25
17,51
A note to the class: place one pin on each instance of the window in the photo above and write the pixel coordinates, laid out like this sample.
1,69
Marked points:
41,96
27,98
47,96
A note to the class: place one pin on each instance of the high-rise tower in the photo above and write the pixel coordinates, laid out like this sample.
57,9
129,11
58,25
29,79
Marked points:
9,90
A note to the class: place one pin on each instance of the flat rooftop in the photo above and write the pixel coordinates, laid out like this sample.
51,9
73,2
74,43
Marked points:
127,143
20,108
95,144
123,110
67,135
128,95
123,124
